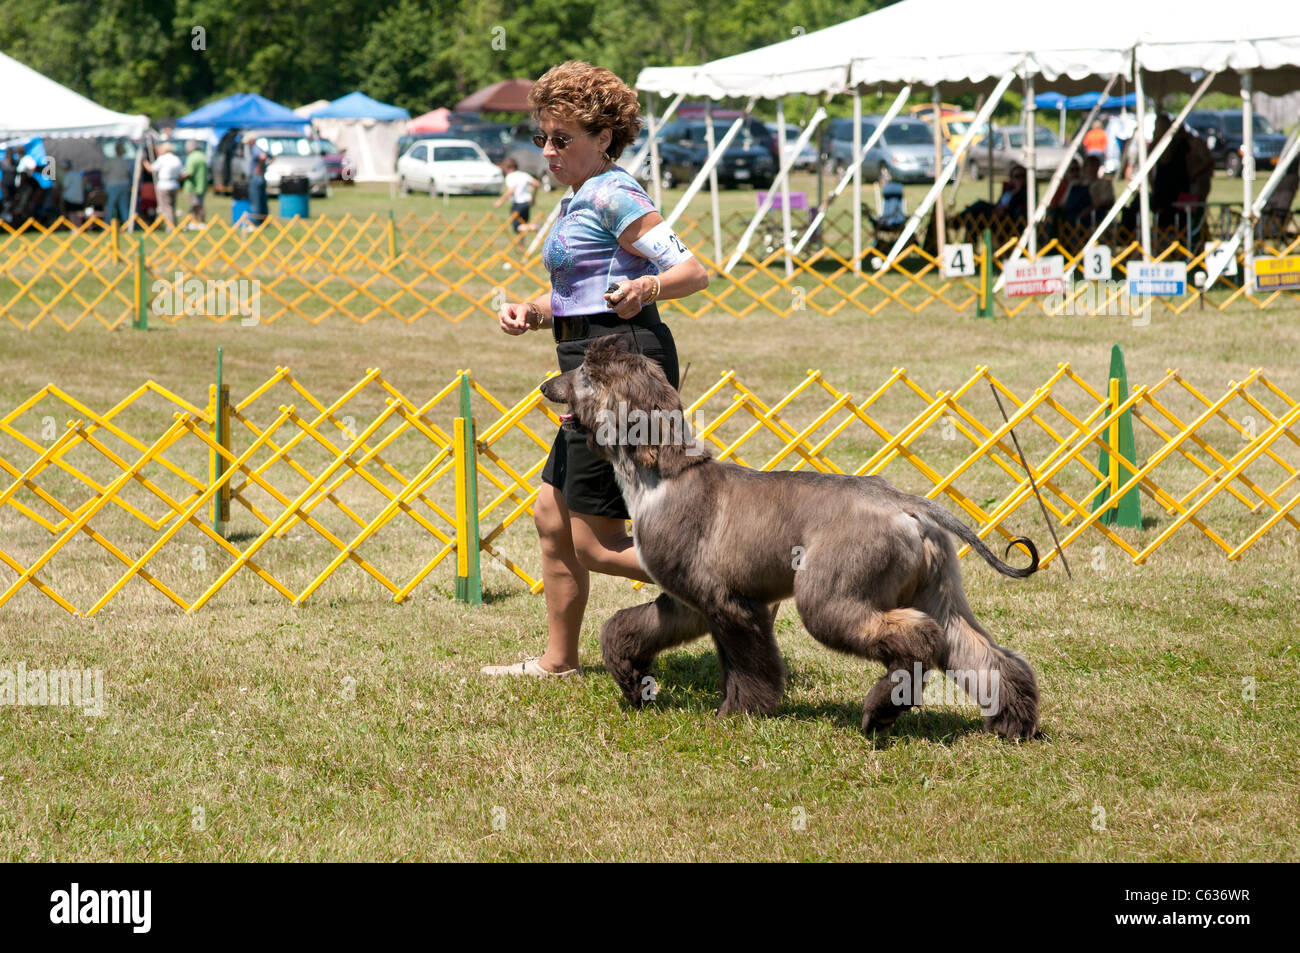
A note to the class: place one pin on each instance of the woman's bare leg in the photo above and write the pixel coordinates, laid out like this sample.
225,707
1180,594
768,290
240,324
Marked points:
565,579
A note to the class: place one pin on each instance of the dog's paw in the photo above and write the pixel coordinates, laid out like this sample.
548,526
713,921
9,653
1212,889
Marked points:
630,679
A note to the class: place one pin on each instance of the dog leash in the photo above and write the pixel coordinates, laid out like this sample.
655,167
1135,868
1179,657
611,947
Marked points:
1025,463
631,328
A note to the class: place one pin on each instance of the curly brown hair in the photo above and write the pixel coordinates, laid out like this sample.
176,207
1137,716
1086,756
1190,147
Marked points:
591,96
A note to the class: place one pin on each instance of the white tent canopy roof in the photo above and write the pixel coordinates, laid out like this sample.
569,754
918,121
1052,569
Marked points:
959,46
35,105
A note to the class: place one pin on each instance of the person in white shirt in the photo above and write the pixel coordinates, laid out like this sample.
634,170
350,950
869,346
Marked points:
519,187
166,169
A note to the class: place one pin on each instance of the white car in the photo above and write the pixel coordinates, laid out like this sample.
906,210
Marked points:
455,166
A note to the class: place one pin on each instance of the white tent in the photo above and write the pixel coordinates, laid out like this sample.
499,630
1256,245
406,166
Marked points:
951,45
35,105
307,110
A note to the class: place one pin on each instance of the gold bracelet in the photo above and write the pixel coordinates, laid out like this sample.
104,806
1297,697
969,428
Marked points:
658,287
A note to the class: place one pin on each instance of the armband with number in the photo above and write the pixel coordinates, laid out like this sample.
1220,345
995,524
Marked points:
662,246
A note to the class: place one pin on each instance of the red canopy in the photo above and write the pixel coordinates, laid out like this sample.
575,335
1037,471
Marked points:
507,96
437,120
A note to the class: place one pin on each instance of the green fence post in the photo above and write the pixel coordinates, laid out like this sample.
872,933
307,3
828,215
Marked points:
392,239
1128,512
221,435
986,276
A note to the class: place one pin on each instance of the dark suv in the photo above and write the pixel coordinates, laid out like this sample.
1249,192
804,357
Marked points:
1221,130
747,161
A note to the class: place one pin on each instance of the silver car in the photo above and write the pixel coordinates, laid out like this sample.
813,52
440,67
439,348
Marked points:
904,153
293,155
1009,150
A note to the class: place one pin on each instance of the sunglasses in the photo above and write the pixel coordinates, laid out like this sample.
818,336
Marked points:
561,142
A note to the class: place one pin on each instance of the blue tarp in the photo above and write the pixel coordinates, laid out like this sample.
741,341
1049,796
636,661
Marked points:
1083,101
34,147
360,106
243,111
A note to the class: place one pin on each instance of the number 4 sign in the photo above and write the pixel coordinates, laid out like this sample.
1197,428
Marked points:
958,261
1096,263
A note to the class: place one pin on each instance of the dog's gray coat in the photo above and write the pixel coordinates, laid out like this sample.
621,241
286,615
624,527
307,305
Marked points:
873,571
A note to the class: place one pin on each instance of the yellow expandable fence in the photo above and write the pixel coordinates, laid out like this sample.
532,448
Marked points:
455,266
333,499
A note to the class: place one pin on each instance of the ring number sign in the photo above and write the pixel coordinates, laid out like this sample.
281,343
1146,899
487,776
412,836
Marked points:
1096,263
958,261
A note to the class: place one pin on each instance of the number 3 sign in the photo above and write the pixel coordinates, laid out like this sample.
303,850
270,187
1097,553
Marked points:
1096,263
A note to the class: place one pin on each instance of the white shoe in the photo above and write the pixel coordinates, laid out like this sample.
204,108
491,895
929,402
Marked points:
529,666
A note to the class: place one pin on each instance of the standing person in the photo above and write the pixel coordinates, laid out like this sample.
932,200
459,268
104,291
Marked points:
117,184
196,183
166,170
257,206
1095,140
608,232
519,188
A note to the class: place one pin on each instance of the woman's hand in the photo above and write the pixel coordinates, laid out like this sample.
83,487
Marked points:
516,317
627,301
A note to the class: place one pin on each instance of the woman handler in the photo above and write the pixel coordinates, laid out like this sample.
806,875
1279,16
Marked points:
608,233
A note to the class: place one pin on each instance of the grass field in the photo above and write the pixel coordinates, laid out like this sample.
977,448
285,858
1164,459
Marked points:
356,729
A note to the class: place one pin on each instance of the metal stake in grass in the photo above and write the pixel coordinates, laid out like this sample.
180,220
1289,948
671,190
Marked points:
1029,473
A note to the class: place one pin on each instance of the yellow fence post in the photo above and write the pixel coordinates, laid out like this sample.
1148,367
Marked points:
469,580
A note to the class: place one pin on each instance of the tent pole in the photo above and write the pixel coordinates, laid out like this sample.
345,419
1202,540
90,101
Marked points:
784,169
1062,134
651,142
1151,159
135,183
655,171
766,204
857,179
1248,177
822,206
940,231
710,163
1289,153
1031,163
713,181
1144,194
951,166
1057,176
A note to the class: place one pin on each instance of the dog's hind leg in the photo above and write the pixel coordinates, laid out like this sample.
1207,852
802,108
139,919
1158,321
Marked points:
906,641
753,674
632,638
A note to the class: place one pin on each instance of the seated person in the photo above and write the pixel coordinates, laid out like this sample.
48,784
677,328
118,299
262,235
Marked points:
1010,205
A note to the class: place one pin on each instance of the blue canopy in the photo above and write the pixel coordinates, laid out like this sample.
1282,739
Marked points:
243,111
359,106
1083,101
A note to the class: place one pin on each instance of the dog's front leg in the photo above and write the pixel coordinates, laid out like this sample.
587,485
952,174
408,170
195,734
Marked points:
632,638
753,674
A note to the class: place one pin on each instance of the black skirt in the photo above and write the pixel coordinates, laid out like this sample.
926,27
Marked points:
585,481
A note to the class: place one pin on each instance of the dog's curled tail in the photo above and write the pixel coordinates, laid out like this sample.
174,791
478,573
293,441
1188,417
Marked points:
965,533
